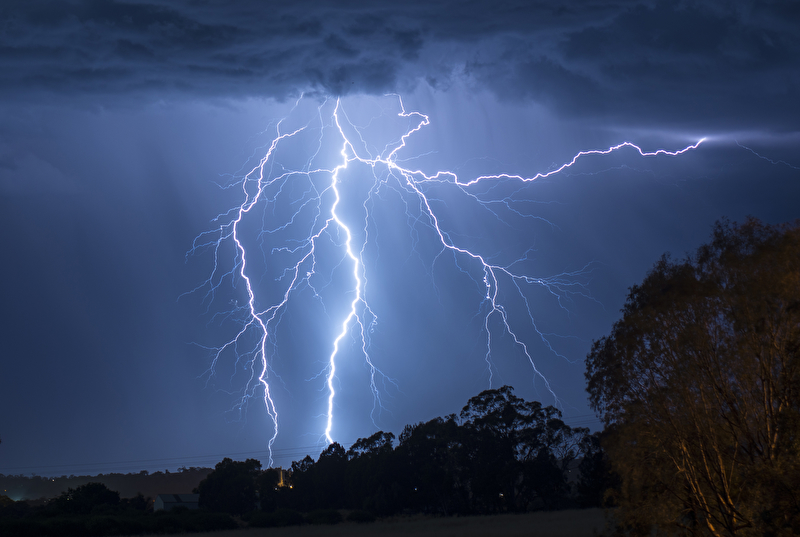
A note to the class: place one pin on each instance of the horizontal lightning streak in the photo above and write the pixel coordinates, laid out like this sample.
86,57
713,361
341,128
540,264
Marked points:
327,200
578,156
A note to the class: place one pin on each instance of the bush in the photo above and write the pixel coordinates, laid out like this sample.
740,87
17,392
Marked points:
324,516
167,524
361,516
182,520
231,487
103,525
203,521
84,499
21,527
124,525
64,527
277,519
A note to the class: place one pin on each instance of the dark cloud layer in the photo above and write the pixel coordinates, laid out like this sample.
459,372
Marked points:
719,64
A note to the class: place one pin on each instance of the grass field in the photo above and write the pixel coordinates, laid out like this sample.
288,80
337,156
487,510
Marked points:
570,523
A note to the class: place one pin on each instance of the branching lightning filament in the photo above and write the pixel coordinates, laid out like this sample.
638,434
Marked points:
302,220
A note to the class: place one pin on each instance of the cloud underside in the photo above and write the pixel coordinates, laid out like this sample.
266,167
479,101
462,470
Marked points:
734,64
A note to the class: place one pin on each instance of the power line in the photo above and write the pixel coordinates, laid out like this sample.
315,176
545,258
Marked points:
293,453
187,461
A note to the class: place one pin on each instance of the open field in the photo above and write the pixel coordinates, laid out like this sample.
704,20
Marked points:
570,523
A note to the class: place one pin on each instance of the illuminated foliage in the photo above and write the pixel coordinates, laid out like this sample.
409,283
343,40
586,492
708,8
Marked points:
699,387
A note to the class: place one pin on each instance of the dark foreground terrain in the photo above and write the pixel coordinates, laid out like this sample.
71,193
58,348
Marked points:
567,523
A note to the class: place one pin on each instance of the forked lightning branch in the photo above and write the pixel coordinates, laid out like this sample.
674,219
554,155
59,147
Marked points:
300,219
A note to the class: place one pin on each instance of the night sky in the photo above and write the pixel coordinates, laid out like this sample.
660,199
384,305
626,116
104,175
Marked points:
125,128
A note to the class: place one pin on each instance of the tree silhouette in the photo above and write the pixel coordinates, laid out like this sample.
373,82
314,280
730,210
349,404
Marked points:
596,478
267,487
372,479
430,457
83,499
518,452
231,487
330,471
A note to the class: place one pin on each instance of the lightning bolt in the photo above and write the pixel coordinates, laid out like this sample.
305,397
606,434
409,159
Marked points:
762,157
293,214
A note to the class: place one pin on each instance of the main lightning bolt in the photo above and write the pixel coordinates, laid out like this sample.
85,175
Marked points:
311,197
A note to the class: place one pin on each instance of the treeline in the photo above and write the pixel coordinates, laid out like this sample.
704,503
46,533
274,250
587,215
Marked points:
147,483
501,454
94,510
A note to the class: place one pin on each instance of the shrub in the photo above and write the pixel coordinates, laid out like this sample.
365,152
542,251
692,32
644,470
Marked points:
360,516
21,527
86,497
278,518
203,521
324,516
64,527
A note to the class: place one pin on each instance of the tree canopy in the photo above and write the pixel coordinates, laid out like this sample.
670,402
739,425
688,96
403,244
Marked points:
699,387
231,487
500,454
86,497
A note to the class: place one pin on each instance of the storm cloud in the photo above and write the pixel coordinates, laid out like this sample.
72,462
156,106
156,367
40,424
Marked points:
731,65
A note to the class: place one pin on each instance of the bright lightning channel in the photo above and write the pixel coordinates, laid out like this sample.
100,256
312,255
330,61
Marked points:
268,185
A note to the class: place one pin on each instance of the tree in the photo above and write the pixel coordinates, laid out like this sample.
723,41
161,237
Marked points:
595,478
231,487
321,484
83,499
267,487
374,446
699,387
429,454
329,477
371,474
517,452
302,479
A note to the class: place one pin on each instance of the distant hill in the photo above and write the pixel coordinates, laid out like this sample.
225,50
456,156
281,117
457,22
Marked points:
19,487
